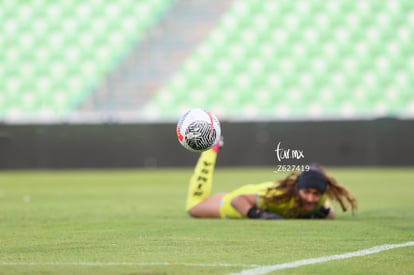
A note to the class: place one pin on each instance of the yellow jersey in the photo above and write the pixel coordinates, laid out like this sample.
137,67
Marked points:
228,211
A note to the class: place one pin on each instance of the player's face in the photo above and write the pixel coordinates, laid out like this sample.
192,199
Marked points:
309,198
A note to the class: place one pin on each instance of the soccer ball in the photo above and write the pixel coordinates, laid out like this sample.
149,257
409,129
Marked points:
198,130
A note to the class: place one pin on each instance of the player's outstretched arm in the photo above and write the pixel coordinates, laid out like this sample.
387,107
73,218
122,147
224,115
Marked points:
246,205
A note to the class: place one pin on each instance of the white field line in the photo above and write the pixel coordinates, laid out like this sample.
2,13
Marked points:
125,264
269,268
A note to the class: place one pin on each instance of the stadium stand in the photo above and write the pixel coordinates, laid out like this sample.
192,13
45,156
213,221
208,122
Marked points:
259,60
156,57
301,59
54,52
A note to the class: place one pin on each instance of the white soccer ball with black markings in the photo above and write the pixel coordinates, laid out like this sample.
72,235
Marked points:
198,130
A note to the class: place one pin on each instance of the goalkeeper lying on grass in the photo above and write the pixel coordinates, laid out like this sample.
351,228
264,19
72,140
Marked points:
305,195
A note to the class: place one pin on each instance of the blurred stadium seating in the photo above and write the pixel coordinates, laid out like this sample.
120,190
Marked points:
54,52
254,60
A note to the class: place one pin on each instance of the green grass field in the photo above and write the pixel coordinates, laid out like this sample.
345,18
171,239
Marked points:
133,222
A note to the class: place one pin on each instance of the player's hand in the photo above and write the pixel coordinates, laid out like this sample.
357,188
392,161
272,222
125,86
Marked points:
256,213
321,214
